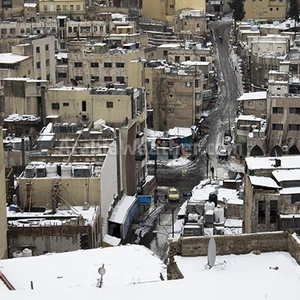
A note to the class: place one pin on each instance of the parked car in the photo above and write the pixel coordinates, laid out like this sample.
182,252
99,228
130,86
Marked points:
227,140
173,194
223,154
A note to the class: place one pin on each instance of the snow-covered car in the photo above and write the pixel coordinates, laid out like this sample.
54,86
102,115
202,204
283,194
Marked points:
223,154
227,140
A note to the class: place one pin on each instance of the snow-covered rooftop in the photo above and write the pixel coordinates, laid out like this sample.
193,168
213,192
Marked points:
261,163
290,191
286,175
180,131
263,181
120,210
248,118
253,96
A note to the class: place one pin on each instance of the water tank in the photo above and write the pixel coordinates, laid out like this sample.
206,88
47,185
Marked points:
66,171
51,170
30,171
27,252
16,144
41,171
64,128
209,216
82,171
209,206
17,254
255,133
192,217
219,214
195,13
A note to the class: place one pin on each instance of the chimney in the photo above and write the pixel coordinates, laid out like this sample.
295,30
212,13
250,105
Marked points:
277,162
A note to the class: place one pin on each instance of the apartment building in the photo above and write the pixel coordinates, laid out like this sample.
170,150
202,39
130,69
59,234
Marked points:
11,9
91,63
272,197
164,10
265,9
73,9
3,222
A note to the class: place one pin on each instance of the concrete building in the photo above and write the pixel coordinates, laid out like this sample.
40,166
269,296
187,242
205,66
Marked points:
164,10
11,9
3,223
265,9
190,24
15,65
271,200
21,96
73,9
254,103
42,50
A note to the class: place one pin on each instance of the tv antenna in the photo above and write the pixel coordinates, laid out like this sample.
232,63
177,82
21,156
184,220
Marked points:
74,82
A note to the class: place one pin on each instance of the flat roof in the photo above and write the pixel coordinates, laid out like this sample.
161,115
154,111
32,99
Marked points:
263,182
253,96
286,175
10,58
261,163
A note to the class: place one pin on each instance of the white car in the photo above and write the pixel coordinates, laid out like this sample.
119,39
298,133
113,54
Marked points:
223,154
227,139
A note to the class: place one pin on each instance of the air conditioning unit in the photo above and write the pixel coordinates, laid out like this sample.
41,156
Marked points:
285,148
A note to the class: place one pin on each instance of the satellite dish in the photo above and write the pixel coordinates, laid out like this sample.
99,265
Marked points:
74,81
211,255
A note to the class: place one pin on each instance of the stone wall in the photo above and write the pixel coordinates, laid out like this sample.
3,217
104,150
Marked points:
233,244
294,246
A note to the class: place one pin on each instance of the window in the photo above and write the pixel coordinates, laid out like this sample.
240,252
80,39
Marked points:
71,7
47,62
83,105
64,7
277,8
48,77
295,198
120,79
165,53
58,7
196,82
107,65
294,110
107,78
12,30
38,65
261,212
79,79
250,103
95,79
273,211
294,127
277,126
277,110
188,84
109,104
45,7
55,106
95,28
101,28
62,75
170,83
271,8
94,65
177,59
202,58
37,49
198,25
171,5
47,47
3,31
77,64
66,104
22,31
147,80
77,7
120,65
187,58
70,29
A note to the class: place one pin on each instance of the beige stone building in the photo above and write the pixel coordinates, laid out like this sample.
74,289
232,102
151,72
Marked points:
3,222
254,103
265,9
42,50
11,9
190,24
15,65
164,10
271,200
72,9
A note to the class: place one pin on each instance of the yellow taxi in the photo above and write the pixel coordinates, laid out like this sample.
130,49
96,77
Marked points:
173,194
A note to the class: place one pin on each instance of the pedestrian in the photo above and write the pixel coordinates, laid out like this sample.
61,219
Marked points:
212,169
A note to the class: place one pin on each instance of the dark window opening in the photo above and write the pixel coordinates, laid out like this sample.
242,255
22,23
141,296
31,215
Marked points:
273,211
261,212
83,105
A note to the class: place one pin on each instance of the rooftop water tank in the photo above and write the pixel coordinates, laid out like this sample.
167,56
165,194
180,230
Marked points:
27,252
51,170
209,206
40,171
17,254
219,214
66,171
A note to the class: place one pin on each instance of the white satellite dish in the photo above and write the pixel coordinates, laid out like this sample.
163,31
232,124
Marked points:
212,251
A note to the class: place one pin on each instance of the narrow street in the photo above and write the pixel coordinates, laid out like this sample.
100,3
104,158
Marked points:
220,117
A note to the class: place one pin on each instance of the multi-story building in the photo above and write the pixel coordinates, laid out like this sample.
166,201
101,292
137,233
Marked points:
73,9
42,50
164,10
272,196
3,223
11,9
265,9
15,65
